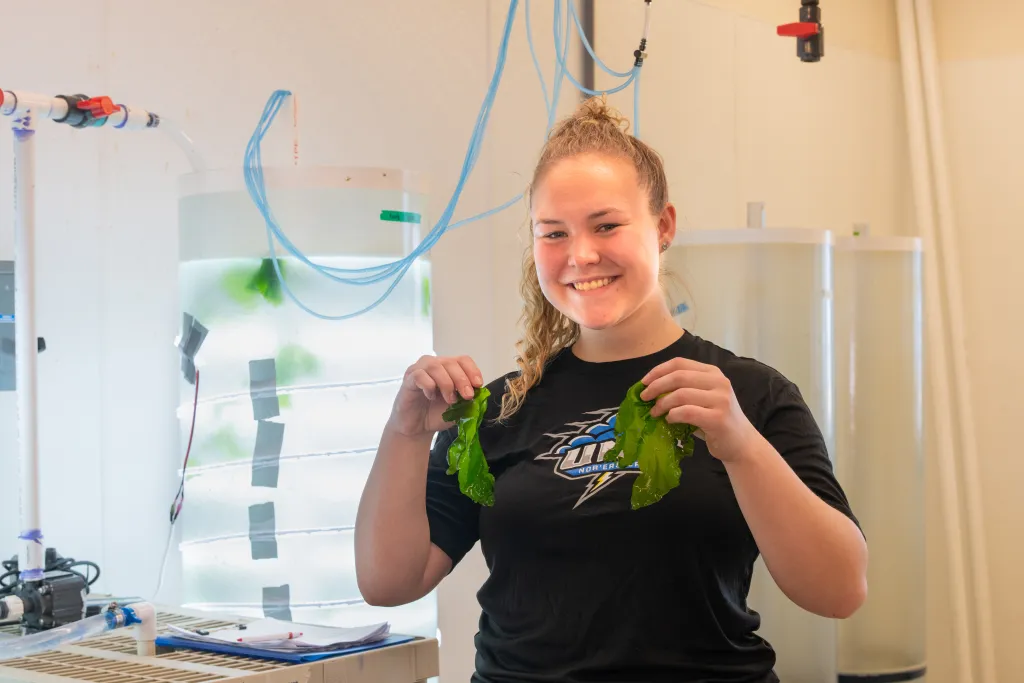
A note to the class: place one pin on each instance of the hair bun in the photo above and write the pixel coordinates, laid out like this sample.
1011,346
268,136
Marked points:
597,110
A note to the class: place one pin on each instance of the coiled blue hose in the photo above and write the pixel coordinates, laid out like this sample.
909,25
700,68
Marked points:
255,184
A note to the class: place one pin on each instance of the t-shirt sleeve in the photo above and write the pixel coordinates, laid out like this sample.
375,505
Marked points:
453,516
791,428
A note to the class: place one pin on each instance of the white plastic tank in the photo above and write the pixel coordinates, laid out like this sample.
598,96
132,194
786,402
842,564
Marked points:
880,448
291,407
766,293
10,509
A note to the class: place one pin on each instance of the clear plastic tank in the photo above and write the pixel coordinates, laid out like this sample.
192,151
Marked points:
765,293
290,406
879,446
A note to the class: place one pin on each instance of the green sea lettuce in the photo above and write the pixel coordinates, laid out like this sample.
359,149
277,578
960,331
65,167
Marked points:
654,444
465,454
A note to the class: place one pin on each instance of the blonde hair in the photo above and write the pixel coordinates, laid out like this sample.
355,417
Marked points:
595,127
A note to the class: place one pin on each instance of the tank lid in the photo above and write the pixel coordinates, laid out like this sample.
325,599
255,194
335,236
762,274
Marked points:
752,236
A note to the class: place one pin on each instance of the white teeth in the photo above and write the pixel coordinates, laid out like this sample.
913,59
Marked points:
592,284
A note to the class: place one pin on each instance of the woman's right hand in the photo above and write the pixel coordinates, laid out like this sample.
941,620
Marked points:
429,387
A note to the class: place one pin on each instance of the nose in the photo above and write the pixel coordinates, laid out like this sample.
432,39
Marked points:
583,252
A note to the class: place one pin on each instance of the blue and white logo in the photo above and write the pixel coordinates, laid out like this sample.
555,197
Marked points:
579,450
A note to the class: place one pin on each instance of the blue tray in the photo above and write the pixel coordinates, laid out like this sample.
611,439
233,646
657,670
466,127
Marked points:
295,658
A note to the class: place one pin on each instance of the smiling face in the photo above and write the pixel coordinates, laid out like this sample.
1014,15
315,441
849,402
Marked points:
596,244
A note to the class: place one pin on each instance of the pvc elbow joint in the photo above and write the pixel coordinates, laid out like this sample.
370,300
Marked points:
143,618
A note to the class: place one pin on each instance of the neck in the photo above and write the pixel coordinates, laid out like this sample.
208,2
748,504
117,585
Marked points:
647,331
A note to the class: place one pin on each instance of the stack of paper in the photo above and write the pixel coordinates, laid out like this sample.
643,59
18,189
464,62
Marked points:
286,636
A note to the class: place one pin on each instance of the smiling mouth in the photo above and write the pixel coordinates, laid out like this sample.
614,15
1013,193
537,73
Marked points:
590,285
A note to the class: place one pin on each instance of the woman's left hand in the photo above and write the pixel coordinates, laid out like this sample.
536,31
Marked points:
698,394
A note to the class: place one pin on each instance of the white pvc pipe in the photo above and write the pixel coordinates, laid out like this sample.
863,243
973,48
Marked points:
26,345
942,435
145,629
952,280
17,103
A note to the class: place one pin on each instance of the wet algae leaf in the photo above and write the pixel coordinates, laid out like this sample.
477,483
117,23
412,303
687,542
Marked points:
654,444
247,287
294,363
465,455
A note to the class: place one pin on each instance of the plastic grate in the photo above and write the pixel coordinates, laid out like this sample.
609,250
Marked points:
126,646
98,670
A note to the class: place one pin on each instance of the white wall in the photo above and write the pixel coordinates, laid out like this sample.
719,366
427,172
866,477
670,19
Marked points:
739,118
982,67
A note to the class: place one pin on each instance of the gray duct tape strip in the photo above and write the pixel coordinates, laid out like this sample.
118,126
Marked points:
263,389
277,602
193,334
266,456
262,526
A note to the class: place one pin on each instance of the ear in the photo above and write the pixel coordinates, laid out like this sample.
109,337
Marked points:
667,224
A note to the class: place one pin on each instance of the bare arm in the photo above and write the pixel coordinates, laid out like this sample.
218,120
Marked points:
815,554
395,561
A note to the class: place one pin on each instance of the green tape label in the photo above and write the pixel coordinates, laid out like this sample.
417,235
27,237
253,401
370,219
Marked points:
400,216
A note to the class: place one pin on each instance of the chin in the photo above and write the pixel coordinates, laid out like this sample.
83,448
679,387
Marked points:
593,320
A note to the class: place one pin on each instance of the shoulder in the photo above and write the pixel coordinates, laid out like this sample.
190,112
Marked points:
760,388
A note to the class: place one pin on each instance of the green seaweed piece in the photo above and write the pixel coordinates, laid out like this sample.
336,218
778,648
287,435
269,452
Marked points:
654,444
294,363
425,287
465,455
248,288
223,445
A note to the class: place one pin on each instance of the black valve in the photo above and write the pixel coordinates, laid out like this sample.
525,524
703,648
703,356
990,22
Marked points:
809,32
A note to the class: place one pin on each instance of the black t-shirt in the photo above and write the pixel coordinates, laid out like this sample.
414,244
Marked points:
582,587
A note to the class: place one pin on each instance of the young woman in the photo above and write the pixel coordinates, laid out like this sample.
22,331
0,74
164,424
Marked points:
581,586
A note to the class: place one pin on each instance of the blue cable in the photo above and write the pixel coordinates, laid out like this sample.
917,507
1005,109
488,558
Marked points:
536,62
586,44
253,165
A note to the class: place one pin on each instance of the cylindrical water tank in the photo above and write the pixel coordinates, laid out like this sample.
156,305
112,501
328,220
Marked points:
290,406
766,293
880,449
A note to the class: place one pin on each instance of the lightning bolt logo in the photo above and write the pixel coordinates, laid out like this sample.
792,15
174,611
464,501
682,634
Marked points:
578,453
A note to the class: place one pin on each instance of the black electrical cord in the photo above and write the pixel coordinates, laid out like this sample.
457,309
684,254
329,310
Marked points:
9,579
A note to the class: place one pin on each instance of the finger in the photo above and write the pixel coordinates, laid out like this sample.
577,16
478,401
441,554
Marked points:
698,416
422,381
673,365
684,397
459,378
472,371
678,379
444,382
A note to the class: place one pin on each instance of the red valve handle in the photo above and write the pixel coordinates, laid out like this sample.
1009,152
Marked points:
99,106
801,29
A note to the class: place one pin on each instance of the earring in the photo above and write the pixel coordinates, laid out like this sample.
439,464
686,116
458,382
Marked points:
664,246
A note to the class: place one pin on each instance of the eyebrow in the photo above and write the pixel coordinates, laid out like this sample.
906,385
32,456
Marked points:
597,214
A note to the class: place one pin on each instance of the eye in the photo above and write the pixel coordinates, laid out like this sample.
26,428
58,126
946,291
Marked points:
607,227
552,235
